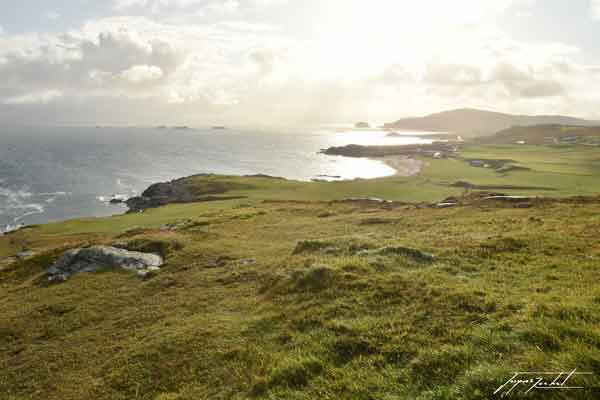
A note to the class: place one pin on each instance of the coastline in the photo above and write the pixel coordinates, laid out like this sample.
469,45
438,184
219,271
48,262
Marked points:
404,166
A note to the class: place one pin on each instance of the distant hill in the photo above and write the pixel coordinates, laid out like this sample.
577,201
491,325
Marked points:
545,134
471,122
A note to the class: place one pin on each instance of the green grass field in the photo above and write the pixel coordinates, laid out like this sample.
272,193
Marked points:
302,298
569,171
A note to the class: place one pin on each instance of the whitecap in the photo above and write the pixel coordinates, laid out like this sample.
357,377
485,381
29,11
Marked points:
15,200
33,208
55,194
14,195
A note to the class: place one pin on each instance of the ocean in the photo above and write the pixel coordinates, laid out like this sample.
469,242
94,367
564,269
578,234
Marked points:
56,173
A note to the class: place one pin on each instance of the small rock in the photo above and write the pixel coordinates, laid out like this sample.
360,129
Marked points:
145,273
25,254
249,261
446,205
415,254
218,262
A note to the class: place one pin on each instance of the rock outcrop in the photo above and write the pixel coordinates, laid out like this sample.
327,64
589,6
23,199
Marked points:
95,258
184,190
445,149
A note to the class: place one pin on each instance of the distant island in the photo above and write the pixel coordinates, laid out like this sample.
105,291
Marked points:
474,122
218,127
362,125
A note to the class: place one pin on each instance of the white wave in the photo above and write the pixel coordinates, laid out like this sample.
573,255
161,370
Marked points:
33,208
14,195
52,196
9,228
30,206
55,194
15,202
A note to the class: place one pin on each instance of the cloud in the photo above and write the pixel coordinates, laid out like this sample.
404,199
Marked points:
532,81
451,74
142,73
160,5
120,5
52,15
200,8
224,7
155,69
136,58
107,58
542,89
595,9
43,97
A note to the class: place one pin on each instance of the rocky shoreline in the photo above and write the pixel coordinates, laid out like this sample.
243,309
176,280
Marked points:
438,149
182,190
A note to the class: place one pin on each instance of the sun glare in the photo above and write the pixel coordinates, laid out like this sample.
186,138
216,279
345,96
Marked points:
356,38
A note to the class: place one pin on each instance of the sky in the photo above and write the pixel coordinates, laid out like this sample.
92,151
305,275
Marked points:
290,62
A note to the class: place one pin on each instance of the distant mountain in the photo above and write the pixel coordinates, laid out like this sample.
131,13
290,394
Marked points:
471,122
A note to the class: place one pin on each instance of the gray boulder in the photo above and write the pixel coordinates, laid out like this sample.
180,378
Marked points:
94,258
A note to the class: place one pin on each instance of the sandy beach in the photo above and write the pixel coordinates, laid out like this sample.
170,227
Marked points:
404,165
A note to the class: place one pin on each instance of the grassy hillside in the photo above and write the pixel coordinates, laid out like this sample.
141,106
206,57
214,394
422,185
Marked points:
283,291
304,300
560,171
547,135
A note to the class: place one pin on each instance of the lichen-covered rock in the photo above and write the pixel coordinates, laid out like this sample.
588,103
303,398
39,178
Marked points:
99,257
